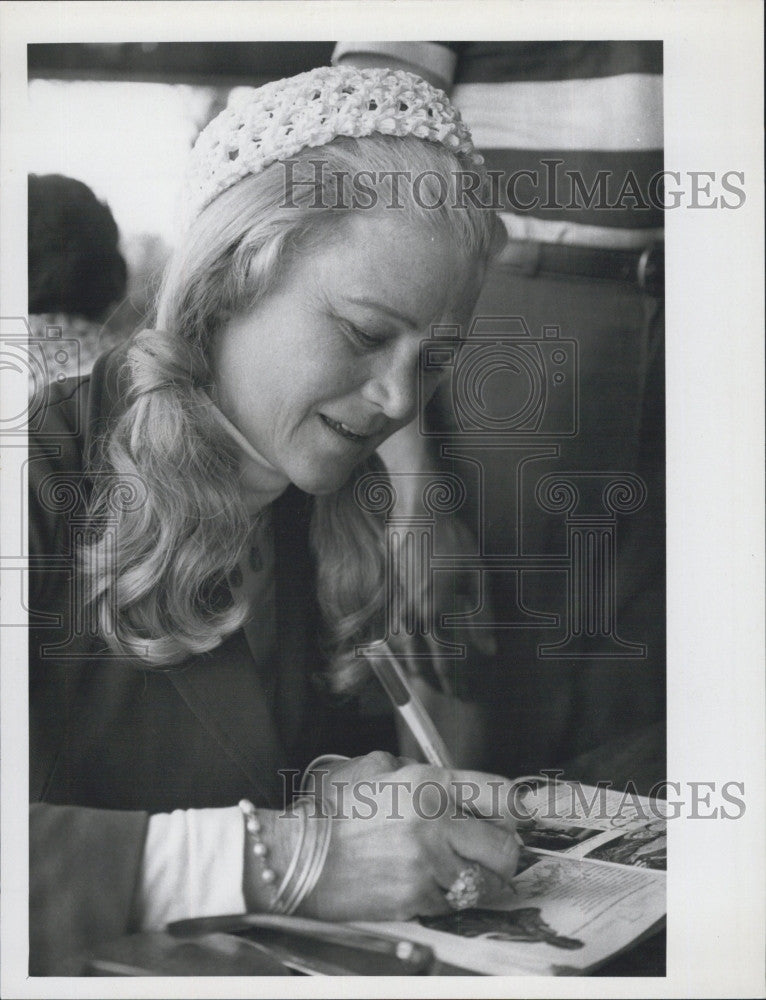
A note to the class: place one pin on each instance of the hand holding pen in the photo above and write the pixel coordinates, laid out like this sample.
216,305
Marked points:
396,683
408,839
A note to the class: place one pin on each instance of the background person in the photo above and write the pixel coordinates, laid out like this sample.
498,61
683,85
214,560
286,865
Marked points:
76,272
585,257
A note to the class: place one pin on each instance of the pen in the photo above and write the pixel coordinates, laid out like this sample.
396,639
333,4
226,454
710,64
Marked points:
409,706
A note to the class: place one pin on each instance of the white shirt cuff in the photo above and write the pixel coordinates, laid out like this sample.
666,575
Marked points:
192,866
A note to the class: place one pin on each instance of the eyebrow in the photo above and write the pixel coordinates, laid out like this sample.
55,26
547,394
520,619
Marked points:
389,310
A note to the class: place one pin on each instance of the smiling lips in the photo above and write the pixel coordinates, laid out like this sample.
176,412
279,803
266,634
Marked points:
344,430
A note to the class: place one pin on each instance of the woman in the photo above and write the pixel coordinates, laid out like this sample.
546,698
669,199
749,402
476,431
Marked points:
209,477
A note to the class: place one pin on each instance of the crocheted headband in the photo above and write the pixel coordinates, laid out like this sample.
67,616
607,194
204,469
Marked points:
281,118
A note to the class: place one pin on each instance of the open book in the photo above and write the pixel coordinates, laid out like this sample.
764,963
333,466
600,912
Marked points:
591,883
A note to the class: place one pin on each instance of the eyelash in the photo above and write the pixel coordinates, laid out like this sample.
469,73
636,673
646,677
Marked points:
362,339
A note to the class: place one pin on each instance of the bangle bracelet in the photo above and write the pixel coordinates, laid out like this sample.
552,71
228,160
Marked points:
257,847
317,863
277,905
325,758
289,902
319,843
310,854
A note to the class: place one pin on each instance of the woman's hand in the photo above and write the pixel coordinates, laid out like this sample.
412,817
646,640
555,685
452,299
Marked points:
401,837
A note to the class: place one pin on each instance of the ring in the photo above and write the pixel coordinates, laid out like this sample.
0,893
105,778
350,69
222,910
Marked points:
466,889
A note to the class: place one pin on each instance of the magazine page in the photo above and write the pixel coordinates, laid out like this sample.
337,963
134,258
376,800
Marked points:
598,824
591,880
566,917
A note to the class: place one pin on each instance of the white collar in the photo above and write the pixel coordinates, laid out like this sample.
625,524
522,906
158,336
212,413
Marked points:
262,480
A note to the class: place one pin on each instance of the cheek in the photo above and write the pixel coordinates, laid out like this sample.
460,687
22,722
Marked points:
288,369
330,373
298,394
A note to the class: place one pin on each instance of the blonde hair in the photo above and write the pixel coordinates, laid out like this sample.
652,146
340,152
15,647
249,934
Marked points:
157,593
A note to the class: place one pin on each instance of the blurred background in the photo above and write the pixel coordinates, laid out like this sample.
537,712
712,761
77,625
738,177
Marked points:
110,127
120,119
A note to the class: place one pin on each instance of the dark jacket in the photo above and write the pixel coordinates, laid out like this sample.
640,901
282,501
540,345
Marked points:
111,743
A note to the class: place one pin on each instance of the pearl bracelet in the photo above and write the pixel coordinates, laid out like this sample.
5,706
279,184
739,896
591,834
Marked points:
297,882
257,847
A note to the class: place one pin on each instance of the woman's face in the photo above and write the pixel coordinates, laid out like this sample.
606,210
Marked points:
325,367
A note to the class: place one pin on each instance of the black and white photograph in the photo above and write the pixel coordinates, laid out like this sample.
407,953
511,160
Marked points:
552,837
644,847
380,432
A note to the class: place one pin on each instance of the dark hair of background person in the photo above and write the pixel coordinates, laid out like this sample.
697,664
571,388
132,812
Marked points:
74,263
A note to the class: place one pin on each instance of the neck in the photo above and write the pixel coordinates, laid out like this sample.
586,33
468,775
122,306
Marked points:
262,481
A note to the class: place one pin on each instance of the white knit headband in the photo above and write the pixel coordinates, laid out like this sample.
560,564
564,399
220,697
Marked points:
283,117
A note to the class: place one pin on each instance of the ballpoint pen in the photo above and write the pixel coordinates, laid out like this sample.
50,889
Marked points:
405,700
397,686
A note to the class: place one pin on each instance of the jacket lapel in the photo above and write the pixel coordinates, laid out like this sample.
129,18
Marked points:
223,688
297,617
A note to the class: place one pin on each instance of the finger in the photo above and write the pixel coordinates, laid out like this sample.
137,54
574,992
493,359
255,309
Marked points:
470,885
370,766
448,872
446,865
379,762
493,886
491,845
488,796
406,761
437,869
432,903
471,793
449,868
333,780
496,889
441,668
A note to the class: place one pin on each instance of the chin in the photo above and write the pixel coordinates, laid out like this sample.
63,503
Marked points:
318,482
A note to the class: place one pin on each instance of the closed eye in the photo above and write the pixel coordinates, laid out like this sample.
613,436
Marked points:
366,341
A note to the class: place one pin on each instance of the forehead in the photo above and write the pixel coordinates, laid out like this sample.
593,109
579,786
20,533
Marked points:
417,267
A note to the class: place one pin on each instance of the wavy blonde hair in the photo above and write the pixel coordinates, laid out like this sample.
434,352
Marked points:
157,591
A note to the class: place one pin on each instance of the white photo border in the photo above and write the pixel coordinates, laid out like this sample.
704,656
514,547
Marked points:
713,58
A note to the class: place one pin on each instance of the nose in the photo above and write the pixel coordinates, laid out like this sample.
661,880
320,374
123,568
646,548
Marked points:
393,384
